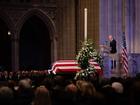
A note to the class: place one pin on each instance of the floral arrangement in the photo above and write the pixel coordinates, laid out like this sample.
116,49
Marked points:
87,53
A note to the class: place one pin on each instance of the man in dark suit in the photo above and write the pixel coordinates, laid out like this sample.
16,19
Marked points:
113,51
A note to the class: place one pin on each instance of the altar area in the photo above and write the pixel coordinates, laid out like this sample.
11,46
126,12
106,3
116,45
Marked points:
133,64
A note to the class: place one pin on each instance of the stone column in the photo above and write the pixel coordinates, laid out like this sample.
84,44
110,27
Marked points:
54,48
15,51
66,29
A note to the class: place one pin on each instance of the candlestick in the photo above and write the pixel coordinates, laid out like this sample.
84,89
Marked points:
85,24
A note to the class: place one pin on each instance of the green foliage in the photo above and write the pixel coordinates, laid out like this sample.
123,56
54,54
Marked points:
86,53
85,74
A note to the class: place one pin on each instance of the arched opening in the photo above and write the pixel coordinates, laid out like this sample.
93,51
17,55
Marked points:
5,47
35,45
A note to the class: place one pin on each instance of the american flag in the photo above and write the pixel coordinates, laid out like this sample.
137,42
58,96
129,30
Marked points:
65,66
94,64
71,66
124,54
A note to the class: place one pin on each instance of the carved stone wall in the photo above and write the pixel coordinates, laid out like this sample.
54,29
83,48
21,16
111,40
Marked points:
15,15
64,18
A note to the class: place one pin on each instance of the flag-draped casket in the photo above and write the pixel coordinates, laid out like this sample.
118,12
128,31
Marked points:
71,66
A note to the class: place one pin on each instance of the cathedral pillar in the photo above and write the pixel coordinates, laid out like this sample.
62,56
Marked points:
15,51
66,29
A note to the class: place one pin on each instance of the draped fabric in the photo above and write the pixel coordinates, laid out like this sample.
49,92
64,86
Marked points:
71,66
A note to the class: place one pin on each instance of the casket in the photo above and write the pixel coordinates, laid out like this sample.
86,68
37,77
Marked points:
71,66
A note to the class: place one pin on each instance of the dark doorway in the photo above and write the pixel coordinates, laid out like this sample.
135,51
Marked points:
5,47
35,45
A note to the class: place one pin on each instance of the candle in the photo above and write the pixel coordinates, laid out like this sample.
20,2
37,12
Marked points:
85,24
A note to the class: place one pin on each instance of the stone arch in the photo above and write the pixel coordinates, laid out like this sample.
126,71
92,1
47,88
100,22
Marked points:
48,22
43,16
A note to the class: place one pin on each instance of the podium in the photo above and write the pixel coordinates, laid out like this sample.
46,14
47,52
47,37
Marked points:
107,59
104,50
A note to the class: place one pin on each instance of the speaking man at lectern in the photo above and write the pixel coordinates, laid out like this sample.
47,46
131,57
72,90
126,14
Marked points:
113,51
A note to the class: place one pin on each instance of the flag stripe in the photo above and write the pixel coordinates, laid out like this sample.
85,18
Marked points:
124,54
71,66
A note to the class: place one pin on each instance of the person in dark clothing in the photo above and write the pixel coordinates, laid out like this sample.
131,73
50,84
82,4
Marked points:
113,46
113,51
